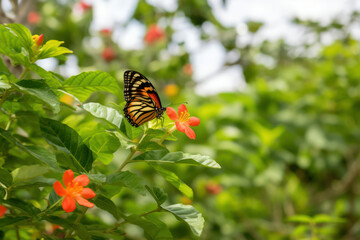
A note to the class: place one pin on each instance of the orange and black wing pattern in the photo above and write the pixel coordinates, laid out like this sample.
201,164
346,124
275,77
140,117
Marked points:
142,101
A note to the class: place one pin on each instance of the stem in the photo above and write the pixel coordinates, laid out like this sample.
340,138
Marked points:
68,234
132,152
17,233
23,73
155,210
51,207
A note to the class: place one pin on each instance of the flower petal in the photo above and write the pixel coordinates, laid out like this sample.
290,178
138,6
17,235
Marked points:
194,121
171,113
190,133
180,126
87,193
68,204
59,189
2,210
83,180
84,202
68,177
182,108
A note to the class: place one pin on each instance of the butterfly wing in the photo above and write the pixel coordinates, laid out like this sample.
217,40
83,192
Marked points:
142,101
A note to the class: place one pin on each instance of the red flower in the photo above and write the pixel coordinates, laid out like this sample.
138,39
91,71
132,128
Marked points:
108,54
74,191
33,17
154,34
183,121
106,32
84,6
2,210
213,188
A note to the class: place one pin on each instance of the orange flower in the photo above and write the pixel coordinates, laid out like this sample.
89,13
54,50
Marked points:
171,90
2,210
108,54
74,191
154,34
106,32
33,17
187,69
213,188
183,121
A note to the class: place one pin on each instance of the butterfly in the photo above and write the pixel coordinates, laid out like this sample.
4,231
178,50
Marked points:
142,101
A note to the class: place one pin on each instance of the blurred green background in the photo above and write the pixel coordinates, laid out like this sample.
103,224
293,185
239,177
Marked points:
277,93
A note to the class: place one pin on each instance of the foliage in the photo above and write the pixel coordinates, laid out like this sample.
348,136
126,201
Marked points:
288,144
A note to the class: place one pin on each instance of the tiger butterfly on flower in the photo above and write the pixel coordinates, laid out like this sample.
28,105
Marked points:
142,101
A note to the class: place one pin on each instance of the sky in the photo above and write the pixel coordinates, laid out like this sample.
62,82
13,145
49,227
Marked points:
208,58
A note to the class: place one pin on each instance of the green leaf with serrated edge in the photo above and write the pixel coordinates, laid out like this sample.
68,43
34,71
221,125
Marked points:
23,34
159,195
69,141
27,172
25,207
127,179
178,157
40,90
174,180
300,219
40,153
82,232
107,205
111,115
11,46
322,218
151,230
50,78
86,83
6,221
104,145
5,177
52,48
125,142
189,215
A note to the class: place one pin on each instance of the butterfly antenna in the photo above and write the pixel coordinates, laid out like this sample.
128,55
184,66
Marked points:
176,104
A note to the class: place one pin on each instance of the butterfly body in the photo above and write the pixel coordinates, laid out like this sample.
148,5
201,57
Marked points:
142,101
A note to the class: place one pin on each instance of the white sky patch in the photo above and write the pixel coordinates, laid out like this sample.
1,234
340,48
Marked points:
49,64
130,37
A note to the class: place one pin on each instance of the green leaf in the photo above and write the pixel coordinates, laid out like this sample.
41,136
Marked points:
50,78
151,141
23,34
189,215
5,177
159,195
25,207
27,172
59,221
174,180
125,142
82,232
40,90
52,48
127,179
107,205
11,46
53,197
69,141
152,231
300,219
6,221
111,115
178,157
4,84
40,153
86,83
322,218
104,145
